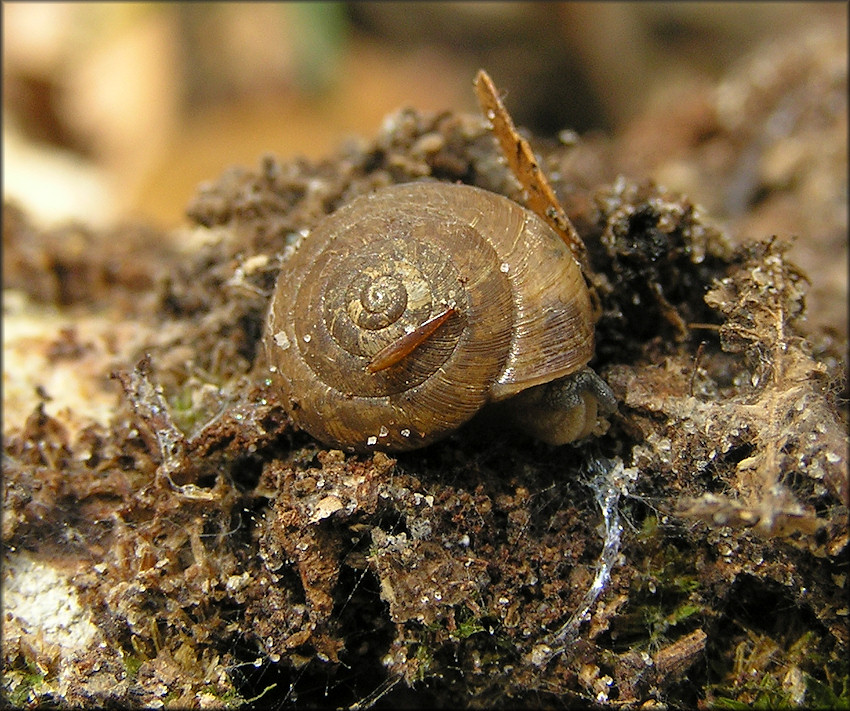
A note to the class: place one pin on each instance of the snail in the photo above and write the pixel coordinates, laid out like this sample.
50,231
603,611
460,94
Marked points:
405,311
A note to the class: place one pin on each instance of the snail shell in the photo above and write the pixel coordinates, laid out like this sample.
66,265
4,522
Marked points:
512,305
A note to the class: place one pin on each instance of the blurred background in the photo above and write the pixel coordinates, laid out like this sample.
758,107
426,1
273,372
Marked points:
119,110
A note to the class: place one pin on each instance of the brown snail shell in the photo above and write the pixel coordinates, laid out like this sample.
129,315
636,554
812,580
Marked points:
513,307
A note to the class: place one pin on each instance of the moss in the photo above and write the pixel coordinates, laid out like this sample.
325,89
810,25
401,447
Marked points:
770,672
24,687
467,626
132,662
834,693
423,662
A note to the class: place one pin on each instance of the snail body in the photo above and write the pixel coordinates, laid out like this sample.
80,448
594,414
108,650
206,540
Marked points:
405,311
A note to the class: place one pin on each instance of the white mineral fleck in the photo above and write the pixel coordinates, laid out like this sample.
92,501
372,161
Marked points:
281,340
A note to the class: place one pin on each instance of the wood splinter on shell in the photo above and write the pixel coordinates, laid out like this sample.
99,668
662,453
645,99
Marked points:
520,158
404,346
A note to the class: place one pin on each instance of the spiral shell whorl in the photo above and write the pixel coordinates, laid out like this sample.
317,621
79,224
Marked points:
361,280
